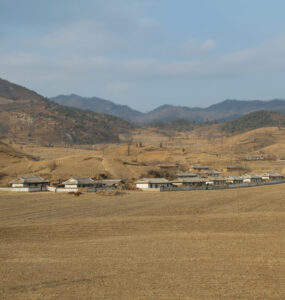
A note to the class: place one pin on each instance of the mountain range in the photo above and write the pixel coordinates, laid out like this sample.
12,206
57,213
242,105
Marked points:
26,116
224,111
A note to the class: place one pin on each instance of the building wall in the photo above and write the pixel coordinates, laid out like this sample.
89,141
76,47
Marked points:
27,189
71,186
17,185
142,185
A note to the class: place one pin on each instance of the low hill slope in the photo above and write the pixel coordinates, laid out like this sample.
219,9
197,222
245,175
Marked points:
254,120
29,117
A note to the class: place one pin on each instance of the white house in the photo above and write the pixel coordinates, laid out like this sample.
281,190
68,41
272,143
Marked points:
272,176
152,183
252,178
29,184
190,181
74,183
212,173
216,181
234,180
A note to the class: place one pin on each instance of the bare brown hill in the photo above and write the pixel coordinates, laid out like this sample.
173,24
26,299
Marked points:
26,116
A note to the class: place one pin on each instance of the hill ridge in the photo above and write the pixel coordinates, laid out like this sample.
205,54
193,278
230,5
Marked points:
226,110
28,116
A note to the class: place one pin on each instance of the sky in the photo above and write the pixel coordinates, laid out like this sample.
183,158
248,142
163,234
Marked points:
146,53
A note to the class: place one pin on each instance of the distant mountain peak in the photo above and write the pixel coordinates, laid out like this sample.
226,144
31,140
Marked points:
98,105
228,109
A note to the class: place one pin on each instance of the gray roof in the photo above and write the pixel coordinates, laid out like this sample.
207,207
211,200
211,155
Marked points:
272,174
251,176
79,180
29,179
153,180
187,174
234,178
189,180
216,179
212,172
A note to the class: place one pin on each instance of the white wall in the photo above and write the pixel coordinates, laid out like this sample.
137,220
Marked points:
151,186
17,185
71,186
142,185
26,189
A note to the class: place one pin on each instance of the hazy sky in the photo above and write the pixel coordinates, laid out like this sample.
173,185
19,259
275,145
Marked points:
145,53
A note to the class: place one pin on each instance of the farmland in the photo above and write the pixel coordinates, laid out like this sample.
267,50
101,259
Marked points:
184,245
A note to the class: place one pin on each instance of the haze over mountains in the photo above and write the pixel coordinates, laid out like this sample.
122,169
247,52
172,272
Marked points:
221,112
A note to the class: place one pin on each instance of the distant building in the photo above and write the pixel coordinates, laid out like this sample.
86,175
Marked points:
216,181
110,183
79,182
186,175
234,180
212,173
152,183
272,176
29,184
252,178
190,181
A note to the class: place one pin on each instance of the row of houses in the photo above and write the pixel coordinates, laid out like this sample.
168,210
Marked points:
193,180
73,184
37,183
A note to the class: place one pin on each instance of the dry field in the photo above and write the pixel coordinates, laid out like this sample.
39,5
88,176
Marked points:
180,245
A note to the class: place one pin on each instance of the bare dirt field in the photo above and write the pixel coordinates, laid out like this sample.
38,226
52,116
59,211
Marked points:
177,245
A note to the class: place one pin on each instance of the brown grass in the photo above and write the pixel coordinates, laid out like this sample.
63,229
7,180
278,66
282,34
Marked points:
182,245
183,150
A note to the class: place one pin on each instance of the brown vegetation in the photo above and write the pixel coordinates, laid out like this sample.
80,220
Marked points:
184,245
177,154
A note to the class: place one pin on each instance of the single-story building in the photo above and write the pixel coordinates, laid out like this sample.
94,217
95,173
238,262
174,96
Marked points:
79,182
190,181
186,175
29,184
212,173
216,181
234,180
109,183
251,178
272,176
152,183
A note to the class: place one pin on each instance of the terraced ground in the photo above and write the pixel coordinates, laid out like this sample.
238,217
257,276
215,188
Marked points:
179,245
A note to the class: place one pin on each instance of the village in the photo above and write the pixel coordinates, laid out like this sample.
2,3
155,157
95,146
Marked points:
199,177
